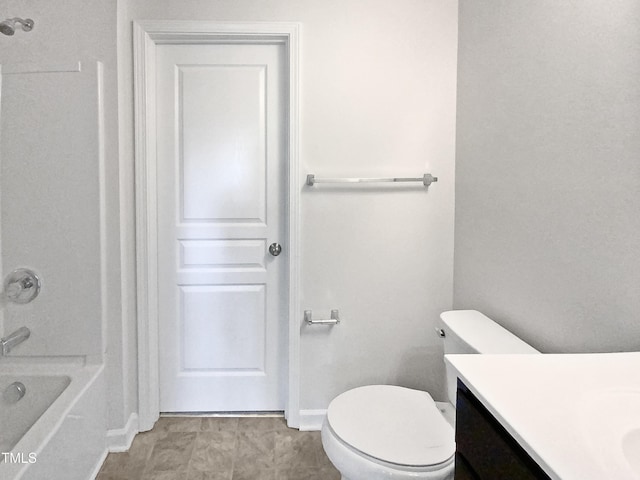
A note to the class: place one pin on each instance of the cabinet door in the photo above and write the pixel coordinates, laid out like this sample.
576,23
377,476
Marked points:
463,470
488,449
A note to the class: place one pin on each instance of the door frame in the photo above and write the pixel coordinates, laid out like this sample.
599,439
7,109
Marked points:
146,36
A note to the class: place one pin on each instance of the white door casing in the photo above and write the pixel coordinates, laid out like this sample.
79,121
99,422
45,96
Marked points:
148,36
220,172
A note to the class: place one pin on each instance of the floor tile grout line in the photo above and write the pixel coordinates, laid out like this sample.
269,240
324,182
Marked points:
193,449
235,450
147,463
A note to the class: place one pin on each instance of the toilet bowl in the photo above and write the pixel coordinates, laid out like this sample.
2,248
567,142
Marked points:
384,432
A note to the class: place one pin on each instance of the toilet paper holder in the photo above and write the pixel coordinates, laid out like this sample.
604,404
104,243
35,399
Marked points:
334,320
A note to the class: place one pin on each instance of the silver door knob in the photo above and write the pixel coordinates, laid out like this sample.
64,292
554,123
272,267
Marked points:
275,249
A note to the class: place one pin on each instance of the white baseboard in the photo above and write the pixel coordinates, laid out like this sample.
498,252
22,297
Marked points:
119,440
311,420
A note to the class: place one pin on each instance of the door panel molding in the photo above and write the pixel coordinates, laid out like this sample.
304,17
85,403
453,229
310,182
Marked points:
147,35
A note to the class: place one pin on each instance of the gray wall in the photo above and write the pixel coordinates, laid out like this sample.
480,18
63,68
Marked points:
547,237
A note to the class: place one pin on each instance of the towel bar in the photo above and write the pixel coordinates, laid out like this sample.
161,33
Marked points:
427,179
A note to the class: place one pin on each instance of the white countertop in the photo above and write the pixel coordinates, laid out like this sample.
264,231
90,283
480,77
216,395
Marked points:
568,411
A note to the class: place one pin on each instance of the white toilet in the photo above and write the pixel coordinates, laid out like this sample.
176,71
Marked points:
387,432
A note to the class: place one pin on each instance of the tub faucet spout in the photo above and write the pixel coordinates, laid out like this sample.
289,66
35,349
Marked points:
16,338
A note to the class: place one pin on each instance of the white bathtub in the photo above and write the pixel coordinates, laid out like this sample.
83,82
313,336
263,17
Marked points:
57,430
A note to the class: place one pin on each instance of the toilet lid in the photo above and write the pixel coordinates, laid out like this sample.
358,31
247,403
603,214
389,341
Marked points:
393,424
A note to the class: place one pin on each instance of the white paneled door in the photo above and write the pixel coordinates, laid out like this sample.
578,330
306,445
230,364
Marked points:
221,177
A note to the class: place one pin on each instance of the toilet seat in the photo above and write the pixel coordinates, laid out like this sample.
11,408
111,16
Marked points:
355,465
394,425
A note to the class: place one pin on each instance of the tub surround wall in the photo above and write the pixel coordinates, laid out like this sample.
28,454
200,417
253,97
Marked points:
50,198
68,229
547,171
377,98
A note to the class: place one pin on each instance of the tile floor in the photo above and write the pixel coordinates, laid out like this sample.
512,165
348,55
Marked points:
221,448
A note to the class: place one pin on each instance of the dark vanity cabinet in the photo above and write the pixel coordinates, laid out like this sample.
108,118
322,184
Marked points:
484,449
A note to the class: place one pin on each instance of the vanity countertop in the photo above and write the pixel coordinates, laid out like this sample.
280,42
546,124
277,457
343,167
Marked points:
577,415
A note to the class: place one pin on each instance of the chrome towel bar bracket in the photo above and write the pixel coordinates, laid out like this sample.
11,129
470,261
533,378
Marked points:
427,179
334,320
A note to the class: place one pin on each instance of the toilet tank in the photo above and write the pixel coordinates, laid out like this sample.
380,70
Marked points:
469,331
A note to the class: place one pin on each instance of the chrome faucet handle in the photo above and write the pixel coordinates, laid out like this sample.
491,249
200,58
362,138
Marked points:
22,285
